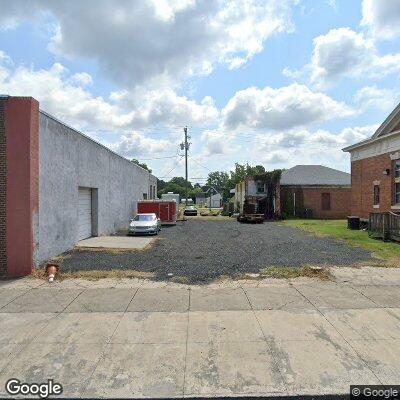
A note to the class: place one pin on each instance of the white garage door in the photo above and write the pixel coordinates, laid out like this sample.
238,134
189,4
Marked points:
84,213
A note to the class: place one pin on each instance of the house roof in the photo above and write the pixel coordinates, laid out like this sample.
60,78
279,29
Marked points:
390,126
310,175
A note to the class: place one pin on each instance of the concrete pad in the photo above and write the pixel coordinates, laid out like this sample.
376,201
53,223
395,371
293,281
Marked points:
218,299
42,300
224,369
365,324
26,282
382,356
367,276
167,299
320,366
93,328
384,295
68,364
223,326
156,327
141,370
276,297
331,295
21,328
8,295
102,300
295,325
116,242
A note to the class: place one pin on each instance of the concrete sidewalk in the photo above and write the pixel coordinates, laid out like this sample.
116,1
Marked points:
125,338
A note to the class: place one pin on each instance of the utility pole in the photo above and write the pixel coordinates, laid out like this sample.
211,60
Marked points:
185,146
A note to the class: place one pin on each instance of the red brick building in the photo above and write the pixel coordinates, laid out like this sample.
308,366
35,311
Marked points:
315,191
375,170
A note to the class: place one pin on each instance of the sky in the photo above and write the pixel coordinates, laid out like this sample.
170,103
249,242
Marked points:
272,82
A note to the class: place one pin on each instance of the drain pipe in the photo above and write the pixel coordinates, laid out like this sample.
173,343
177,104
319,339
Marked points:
51,270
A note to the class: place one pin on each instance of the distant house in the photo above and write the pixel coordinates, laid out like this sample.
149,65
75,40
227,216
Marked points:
214,201
315,191
304,190
200,199
252,195
170,196
375,170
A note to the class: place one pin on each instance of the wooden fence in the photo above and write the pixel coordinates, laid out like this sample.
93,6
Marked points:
384,226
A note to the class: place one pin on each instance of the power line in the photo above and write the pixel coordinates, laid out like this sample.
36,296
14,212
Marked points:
208,169
156,158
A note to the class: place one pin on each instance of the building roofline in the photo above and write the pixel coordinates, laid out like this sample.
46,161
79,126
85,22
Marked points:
395,113
372,139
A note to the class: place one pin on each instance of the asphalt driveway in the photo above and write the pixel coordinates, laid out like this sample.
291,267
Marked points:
203,250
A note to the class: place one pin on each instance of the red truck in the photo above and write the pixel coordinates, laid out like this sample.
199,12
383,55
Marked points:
166,210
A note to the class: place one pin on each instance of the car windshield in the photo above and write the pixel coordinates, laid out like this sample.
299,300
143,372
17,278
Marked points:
144,218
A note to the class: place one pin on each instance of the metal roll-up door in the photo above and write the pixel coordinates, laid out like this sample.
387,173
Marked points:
84,213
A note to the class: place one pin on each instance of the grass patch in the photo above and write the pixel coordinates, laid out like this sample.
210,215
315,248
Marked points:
322,273
95,275
181,279
389,251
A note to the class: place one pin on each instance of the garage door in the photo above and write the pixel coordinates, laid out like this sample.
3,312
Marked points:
84,213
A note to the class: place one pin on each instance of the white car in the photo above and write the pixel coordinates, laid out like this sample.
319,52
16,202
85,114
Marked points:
144,224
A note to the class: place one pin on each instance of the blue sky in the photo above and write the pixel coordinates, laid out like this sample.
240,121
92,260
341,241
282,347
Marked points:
276,83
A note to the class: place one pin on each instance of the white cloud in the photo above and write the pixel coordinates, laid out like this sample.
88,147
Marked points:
382,17
324,147
283,108
82,78
68,98
275,158
216,142
165,107
373,97
62,97
345,53
158,42
320,138
136,144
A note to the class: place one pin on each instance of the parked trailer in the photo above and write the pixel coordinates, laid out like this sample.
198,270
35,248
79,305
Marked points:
166,210
256,218
170,196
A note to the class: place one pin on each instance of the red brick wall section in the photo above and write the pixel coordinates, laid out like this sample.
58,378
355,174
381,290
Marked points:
22,186
3,174
340,201
363,174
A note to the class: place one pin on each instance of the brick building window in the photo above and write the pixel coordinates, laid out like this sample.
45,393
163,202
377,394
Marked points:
325,201
397,182
376,195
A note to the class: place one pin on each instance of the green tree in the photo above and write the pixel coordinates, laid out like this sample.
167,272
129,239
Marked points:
181,182
143,165
217,180
174,188
194,192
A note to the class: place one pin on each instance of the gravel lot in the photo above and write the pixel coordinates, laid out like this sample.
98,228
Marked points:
204,250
